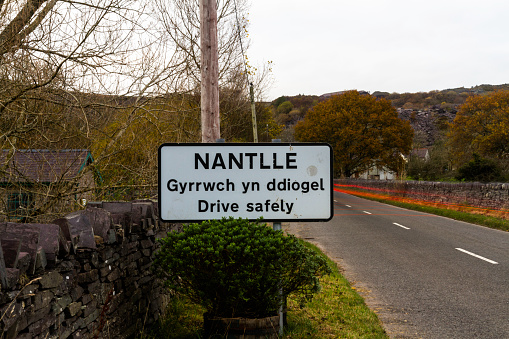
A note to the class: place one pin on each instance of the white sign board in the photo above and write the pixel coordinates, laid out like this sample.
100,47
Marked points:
276,181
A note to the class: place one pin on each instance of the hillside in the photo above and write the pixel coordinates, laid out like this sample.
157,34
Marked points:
428,112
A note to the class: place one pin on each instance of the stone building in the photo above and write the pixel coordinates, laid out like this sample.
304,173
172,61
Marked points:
29,179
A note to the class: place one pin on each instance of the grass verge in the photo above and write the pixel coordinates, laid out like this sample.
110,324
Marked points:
484,217
337,311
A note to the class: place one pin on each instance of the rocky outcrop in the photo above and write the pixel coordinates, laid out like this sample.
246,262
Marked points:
428,124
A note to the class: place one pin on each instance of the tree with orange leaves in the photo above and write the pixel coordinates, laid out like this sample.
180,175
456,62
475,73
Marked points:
364,131
481,127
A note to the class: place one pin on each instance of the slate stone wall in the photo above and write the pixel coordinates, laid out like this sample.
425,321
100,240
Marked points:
86,275
484,195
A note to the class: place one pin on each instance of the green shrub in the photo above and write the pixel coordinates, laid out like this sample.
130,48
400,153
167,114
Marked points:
235,268
480,169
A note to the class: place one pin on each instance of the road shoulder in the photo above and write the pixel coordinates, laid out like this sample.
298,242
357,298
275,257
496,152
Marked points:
395,321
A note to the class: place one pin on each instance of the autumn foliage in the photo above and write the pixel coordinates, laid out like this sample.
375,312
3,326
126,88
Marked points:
481,127
363,130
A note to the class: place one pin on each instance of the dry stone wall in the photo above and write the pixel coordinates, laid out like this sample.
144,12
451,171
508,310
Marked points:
86,275
484,195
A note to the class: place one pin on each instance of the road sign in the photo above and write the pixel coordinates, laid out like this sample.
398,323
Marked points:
276,181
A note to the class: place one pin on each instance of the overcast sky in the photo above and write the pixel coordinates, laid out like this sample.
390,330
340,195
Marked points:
324,46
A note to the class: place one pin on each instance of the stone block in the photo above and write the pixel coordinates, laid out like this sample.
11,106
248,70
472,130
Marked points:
96,204
40,260
73,309
69,282
132,246
94,259
81,228
77,293
92,317
63,332
147,243
137,213
3,272
100,220
42,299
12,277
24,261
145,280
29,291
114,275
27,234
88,277
34,315
89,308
87,298
104,271
51,280
134,256
112,237
118,207
61,303
11,249
41,327
50,238
105,254
64,227
94,288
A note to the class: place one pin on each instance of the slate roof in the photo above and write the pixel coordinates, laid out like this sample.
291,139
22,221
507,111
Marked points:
44,166
420,152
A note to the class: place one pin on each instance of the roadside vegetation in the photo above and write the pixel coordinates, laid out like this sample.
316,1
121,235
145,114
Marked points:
496,219
337,311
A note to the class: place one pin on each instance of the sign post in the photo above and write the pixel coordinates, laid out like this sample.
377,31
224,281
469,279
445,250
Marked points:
276,181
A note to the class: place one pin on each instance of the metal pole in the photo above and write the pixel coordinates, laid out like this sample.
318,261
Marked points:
277,227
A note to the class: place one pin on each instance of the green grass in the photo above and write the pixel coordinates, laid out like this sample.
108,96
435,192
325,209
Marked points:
182,320
337,311
478,219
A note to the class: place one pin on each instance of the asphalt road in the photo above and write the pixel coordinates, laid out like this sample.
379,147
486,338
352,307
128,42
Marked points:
426,276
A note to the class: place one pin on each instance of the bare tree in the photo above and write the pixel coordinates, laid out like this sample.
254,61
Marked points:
115,77
66,69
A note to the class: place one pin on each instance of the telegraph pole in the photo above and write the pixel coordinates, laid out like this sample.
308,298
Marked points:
253,113
210,123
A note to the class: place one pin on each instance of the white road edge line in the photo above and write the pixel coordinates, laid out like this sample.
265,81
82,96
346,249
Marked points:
477,256
367,212
395,223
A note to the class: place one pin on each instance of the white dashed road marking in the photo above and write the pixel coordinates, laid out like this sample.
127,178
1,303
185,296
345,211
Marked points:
395,223
477,256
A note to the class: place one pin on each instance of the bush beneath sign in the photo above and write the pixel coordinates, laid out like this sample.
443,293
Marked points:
235,268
